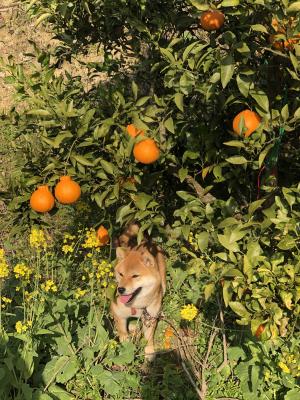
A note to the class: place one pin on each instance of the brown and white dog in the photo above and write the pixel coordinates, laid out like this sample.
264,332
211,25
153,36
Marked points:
141,276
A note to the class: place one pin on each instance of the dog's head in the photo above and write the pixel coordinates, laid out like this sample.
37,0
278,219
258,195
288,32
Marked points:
136,274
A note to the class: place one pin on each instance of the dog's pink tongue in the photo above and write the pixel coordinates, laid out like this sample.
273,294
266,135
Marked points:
125,298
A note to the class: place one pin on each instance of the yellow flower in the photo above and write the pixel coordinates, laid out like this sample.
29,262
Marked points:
91,240
284,367
20,327
37,239
49,286
112,344
5,301
188,312
80,293
22,271
4,270
67,248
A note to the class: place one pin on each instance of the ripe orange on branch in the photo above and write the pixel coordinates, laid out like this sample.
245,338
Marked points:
212,20
259,330
146,151
103,235
246,122
133,131
42,200
67,191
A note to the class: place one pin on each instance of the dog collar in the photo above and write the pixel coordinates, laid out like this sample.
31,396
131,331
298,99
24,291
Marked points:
133,311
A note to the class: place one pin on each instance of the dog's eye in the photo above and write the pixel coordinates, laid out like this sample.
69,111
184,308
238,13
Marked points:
120,273
135,276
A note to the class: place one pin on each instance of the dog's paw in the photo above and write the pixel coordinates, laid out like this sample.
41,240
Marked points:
123,338
149,354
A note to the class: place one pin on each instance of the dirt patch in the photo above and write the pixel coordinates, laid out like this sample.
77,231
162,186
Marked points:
15,30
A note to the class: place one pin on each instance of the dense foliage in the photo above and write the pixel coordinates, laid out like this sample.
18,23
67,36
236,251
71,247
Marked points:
225,207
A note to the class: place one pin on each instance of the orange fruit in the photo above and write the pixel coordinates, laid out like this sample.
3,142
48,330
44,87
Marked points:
67,191
133,131
103,235
259,330
146,151
169,332
42,200
246,122
212,20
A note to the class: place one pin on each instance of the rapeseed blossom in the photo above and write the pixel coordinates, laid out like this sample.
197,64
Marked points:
80,293
23,272
188,312
5,301
284,367
4,270
91,240
49,286
37,239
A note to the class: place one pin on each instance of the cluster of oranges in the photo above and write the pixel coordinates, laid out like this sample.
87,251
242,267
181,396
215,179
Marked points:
66,191
213,20
247,121
145,151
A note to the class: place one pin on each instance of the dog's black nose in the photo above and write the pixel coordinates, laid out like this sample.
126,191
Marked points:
121,290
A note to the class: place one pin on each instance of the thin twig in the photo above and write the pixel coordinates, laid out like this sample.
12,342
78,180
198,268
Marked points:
227,398
205,362
204,197
191,379
225,356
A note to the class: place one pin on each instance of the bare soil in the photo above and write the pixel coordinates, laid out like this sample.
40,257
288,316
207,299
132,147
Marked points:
14,36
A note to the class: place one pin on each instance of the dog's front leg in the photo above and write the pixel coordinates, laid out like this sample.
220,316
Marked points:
120,322
149,330
121,326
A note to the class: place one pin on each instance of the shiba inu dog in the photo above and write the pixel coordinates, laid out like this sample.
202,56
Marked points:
141,283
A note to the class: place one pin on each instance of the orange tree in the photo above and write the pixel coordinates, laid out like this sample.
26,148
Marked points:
233,198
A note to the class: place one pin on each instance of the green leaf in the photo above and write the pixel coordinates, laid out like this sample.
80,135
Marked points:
142,200
239,309
261,99
245,83
230,3
53,367
225,242
42,18
209,290
169,124
107,166
142,101
82,160
263,154
234,143
123,212
293,394
126,354
168,55
69,370
182,173
199,5
227,69
60,393
287,243
259,28
179,101
294,7
85,122
237,160
134,88
254,206
39,113
202,240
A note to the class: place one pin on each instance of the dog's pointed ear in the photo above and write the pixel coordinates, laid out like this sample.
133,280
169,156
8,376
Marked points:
121,253
148,260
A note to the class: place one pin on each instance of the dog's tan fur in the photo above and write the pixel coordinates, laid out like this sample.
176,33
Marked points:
139,266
